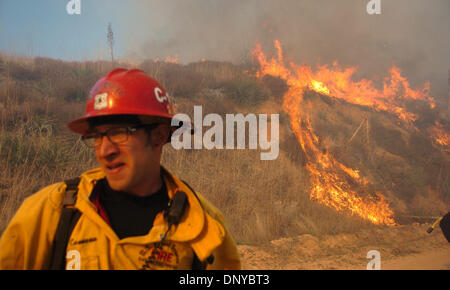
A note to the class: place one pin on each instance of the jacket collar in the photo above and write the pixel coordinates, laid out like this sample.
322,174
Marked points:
196,225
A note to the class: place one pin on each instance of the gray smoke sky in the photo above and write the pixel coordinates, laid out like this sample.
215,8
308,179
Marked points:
413,34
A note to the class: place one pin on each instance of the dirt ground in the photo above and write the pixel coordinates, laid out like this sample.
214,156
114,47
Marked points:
400,247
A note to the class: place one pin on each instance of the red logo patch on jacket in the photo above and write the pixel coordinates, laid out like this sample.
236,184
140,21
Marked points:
156,256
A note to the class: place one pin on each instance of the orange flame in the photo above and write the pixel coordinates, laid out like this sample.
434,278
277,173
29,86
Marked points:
171,59
338,83
331,180
440,135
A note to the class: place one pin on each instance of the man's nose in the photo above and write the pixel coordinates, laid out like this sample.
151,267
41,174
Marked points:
106,148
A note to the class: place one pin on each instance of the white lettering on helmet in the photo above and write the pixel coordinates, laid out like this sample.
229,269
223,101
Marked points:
101,101
169,104
158,96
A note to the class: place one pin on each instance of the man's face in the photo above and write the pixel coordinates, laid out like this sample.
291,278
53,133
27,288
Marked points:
129,166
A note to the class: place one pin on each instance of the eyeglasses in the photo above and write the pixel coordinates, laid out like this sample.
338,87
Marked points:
115,135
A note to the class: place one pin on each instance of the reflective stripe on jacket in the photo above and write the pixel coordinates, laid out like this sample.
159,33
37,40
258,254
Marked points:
27,241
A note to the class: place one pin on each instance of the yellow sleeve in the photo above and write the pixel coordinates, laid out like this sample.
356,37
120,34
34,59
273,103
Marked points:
27,240
226,256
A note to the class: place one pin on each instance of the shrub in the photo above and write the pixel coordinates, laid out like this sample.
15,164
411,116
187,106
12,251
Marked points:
275,85
246,91
390,139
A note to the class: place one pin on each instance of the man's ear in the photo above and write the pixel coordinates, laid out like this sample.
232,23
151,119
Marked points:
159,135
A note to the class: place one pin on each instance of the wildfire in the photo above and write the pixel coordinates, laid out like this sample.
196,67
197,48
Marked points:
332,182
440,135
172,59
336,82
168,59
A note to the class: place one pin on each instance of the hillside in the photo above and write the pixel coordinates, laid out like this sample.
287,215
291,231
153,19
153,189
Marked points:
39,96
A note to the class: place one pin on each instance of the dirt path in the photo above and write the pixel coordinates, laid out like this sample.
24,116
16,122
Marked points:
438,259
401,247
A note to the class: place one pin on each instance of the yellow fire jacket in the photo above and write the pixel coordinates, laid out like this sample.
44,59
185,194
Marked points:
27,241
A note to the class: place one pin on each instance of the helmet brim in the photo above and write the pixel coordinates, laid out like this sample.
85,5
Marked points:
82,125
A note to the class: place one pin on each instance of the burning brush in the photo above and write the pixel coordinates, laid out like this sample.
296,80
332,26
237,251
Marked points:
329,178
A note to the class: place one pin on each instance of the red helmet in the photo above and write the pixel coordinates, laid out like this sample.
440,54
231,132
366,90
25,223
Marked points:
125,92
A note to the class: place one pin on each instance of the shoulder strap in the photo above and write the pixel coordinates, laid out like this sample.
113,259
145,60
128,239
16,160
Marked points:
67,222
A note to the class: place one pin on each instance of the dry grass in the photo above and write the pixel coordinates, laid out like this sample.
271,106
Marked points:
34,154
261,200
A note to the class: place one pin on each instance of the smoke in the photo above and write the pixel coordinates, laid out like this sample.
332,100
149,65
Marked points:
412,34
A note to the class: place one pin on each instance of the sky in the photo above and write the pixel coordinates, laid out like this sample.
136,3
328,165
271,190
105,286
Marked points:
44,28
412,34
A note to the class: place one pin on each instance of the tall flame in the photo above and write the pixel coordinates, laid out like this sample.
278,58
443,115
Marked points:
336,82
332,182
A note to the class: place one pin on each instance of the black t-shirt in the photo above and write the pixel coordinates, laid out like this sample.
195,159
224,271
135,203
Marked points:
131,215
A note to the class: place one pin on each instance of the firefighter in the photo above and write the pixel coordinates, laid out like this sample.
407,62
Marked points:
131,212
